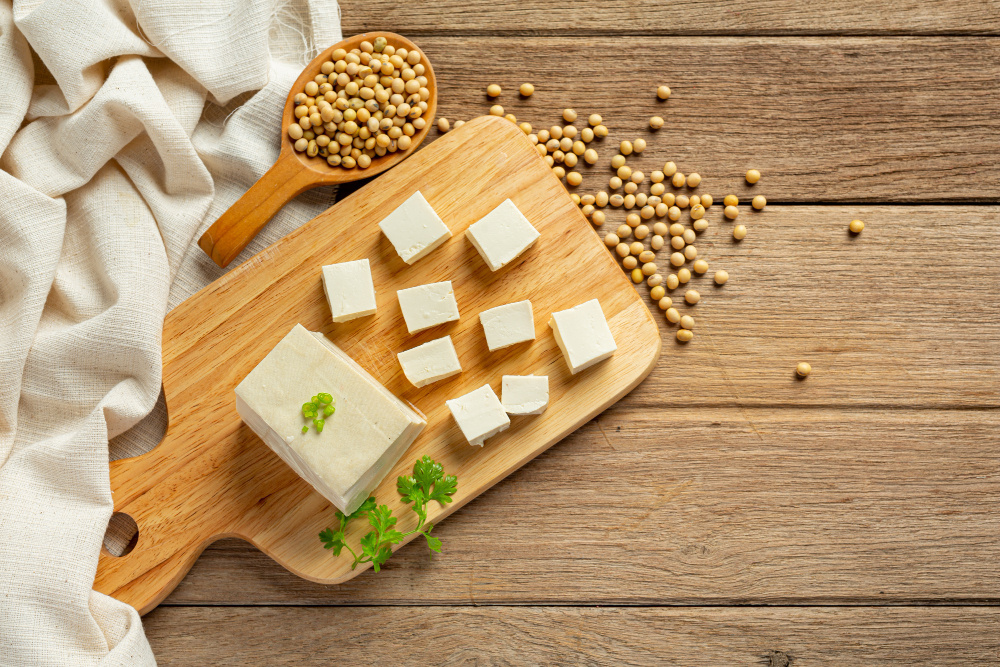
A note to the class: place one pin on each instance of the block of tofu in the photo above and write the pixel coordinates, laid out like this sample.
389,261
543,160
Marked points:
426,306
508,324
525,394
359,443
414,229
583,335
349,289
502,234
479,414
430,362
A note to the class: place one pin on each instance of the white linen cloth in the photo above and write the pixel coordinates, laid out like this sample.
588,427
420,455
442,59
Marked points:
126,128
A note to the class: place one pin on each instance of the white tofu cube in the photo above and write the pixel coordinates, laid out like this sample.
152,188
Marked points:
583,335
508,324
479,414
359,442
525,394
414,229
349,289
502,234
430,362
426,306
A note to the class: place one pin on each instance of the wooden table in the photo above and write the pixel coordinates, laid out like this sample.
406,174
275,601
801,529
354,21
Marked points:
723,513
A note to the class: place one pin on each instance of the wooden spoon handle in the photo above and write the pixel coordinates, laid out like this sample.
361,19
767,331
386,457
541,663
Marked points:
235,228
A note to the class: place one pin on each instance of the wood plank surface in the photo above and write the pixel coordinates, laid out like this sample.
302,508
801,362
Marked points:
824,119
721,480
687,17
677,504
776,637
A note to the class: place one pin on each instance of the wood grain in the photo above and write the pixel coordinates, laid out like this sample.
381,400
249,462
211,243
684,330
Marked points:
678,504
558,636
689,17
211,476
824,119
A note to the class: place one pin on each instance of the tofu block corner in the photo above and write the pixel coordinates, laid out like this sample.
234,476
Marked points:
583,335
479,414
414,228
349,290
502,235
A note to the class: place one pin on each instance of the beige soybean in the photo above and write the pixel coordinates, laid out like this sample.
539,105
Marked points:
700,266
721,277
657,293
665,303
684,335
758,202
527,89
683,276
630,262
611,240
739,232
673,316
655,122
672,281
752,176
731,212
493,90
687,322
803,369
692,297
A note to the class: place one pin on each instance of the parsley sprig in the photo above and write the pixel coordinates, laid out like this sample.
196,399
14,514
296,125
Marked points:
428,482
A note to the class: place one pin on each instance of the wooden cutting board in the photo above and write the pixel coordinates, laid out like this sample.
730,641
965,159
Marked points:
211,477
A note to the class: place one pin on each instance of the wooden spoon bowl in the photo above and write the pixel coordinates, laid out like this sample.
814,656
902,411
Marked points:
294,172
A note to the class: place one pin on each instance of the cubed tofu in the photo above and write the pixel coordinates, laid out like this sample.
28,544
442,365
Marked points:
525,394
479,414
430,362
426,306
358,445
414,229
583,335
502,235
349,289
508,324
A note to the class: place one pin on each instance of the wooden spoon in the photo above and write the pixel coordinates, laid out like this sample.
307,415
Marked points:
294,172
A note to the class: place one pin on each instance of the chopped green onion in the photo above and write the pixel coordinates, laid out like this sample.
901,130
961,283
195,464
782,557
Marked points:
305,429
325,398
318,423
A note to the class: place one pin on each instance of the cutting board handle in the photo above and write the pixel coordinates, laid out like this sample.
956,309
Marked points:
233,231
154,490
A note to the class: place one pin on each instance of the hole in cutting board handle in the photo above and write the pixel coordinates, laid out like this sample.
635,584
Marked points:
121,536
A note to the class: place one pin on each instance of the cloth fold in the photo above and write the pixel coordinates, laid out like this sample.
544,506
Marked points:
126,128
